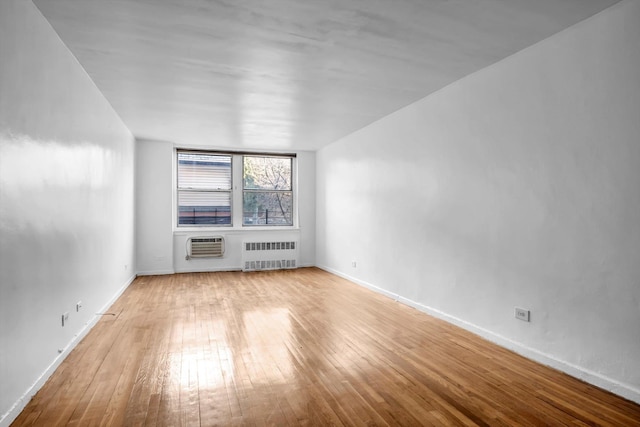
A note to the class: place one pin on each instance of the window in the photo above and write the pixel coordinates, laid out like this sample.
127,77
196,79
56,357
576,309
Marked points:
267,193
207,197
204,189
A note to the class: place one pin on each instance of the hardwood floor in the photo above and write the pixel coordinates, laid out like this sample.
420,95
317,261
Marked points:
300,347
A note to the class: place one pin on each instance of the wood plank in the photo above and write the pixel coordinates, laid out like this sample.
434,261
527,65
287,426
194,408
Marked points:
295,348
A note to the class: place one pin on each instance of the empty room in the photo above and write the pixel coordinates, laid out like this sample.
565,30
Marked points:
319,213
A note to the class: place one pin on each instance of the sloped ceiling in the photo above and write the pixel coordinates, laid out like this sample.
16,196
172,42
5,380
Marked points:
289,74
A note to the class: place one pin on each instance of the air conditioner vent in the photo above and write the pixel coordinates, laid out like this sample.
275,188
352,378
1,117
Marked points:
205,247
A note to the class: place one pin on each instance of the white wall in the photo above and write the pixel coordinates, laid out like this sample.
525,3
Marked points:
154,207
515,186
66,203
161,247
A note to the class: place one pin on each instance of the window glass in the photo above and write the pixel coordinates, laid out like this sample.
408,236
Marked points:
204,189
267,191
205,194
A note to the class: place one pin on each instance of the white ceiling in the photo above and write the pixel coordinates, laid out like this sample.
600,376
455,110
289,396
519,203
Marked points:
289,74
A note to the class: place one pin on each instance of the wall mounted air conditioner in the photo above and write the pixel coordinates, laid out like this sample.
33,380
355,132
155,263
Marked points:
205,247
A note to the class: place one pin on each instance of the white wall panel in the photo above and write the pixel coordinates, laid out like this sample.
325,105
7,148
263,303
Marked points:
161,246
515,186
154,207
66,203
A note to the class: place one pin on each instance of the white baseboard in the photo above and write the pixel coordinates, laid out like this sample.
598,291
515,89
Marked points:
155,273
8,417
306,265
215,269
599,380
360,282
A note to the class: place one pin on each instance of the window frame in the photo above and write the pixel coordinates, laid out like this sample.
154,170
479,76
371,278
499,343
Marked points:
230,191
257,191
237,192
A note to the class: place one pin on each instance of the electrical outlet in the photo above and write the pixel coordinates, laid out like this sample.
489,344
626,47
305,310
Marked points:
78,305
354,264
522,314
65,318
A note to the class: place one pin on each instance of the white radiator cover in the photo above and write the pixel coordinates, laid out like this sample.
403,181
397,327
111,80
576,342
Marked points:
261,255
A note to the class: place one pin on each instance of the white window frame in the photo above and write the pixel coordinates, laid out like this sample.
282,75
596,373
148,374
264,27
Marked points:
237,192
209,190
257,191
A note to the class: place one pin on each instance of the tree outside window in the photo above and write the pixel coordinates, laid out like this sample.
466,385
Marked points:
267,191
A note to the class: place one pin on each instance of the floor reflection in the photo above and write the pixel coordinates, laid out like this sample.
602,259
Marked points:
265,357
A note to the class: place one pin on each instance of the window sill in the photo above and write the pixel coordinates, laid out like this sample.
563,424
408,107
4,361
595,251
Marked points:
234,230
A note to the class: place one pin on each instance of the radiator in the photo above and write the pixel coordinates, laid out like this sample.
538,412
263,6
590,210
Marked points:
205,247
269,255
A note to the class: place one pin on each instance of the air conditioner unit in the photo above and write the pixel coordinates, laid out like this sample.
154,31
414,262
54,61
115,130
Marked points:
205,247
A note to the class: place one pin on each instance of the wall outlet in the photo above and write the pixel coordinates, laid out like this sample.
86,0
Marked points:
65,318
78,305
523,314
354,264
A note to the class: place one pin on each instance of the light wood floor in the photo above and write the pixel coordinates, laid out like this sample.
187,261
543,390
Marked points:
299,347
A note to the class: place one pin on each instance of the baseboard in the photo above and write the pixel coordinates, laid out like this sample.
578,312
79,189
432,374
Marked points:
306,265
17,407
208,270
155,273
360,282
530,353
216,269
594,378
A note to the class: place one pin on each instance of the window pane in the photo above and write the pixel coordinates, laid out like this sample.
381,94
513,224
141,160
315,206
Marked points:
267,208
204,207
204,171
266,173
